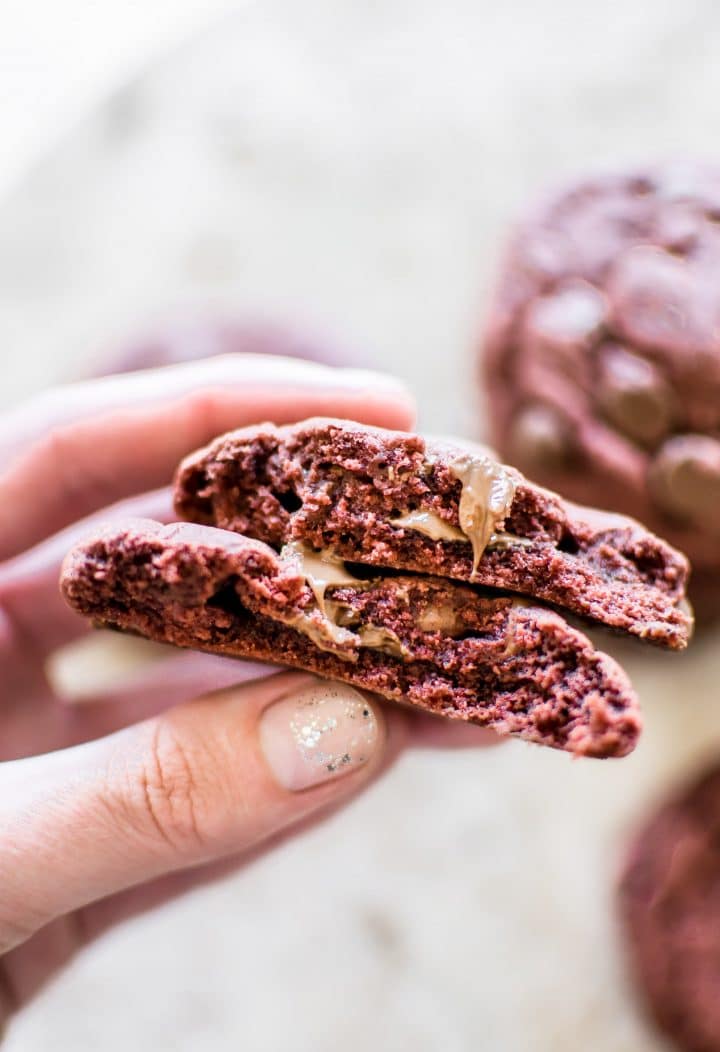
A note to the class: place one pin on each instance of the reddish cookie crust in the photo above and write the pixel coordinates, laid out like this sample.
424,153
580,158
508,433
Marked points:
669,900
337,485
601,355
519,669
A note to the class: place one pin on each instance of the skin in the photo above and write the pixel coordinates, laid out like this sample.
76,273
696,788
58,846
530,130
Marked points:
117,805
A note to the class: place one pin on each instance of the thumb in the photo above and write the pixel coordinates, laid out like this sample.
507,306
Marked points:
210,778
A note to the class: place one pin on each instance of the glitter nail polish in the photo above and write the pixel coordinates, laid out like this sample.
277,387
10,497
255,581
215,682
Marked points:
325,731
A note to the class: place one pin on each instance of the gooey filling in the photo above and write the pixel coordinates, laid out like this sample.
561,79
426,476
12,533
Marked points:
330,630
487,493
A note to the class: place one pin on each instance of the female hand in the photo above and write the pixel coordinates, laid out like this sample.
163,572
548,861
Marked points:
113,806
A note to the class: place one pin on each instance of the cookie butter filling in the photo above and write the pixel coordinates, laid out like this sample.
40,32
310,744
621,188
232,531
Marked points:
378,638
485,499
326,624
438,619
334,626
437,529
486,496
430,523
321,570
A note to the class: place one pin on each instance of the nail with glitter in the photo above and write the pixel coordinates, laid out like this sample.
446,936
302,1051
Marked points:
324,732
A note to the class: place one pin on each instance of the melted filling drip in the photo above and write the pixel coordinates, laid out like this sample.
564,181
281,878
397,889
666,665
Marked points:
485,500
325,624
321,570
437,529
486,497
378,638
430,523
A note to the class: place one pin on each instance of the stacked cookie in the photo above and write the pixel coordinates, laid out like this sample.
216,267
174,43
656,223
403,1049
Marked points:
422,570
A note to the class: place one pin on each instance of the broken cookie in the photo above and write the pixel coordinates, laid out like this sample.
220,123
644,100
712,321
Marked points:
440,645
392,499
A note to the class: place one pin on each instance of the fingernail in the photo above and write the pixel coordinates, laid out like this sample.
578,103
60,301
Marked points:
324,732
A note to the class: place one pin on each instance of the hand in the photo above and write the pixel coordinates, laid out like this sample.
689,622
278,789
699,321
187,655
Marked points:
116,805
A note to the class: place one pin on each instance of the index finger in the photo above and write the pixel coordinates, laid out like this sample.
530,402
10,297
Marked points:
73,449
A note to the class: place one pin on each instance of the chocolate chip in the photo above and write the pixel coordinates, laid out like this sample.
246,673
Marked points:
545,255
662,302
634,395
640,185
678,228
540,437
566,321
684,479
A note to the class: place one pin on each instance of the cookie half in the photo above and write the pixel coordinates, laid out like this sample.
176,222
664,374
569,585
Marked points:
441,646
399,500
669,898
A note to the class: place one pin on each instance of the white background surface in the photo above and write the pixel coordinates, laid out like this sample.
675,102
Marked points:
355,164
56,60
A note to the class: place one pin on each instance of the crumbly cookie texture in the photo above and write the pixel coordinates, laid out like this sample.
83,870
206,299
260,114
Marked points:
399,500
444,647
601,355
669,899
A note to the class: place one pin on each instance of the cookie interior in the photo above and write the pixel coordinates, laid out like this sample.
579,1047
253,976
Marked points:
395,500
448,648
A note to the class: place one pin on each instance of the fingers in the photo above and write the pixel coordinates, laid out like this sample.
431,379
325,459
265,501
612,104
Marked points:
98,917
169,681
209,779
25,969
185,675
76,448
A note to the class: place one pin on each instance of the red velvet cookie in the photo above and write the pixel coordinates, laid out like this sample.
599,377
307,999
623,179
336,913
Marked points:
392,499
447,648
602,351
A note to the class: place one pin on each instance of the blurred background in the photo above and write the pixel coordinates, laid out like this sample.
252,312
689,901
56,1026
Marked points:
351,166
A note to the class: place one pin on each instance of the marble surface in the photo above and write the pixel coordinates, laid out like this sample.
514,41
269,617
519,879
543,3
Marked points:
355,165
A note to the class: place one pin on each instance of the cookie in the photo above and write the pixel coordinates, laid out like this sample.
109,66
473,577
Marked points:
601,356
392,499
441,646
669,898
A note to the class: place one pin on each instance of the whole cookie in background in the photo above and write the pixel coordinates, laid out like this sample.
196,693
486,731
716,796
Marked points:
669,898
601,354
188,339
